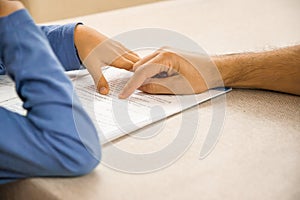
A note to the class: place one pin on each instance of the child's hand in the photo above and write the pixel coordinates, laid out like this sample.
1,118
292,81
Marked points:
96,50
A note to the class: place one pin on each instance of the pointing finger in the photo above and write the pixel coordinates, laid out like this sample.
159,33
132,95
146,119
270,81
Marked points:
139,77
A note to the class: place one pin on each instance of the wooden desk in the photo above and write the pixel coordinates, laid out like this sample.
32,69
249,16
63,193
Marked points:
258,155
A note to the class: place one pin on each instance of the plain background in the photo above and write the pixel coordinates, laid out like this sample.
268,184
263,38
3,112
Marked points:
49,10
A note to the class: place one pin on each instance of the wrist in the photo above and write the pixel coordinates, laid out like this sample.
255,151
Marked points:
86,39
224,65
240,70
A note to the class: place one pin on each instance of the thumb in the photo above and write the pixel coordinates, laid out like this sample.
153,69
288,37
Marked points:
102,85
100,82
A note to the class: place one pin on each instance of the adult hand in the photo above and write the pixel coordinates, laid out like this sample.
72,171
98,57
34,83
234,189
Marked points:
96,51
172,71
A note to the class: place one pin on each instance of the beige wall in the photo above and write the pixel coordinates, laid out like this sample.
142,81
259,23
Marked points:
48,10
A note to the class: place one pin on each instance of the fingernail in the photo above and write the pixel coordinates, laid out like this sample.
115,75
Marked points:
121,96
103,90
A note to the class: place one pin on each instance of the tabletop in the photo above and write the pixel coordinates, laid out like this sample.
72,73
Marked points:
258,153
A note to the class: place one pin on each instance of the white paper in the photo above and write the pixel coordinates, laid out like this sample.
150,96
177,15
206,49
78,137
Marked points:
115,117
7,90
112,116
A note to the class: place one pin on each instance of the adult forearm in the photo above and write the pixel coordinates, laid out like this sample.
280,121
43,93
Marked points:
277,70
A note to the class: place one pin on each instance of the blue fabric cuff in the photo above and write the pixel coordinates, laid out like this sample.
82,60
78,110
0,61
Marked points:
15,19
61,38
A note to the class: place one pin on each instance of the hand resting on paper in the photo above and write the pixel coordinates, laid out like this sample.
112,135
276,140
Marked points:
96,50
173,71
188,73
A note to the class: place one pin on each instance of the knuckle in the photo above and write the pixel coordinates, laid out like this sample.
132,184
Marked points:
140,72
149,88
167,54
121,62
165,48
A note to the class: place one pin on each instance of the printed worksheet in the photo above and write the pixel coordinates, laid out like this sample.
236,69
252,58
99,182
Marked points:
7,90
112,116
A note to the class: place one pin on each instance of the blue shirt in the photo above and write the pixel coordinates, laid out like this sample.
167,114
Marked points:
56,137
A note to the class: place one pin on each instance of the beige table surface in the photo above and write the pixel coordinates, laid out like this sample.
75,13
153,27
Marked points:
258,154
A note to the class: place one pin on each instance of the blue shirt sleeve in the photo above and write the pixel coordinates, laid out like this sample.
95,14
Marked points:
56,137
61,39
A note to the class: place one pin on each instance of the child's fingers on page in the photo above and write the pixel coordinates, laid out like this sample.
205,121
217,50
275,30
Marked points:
103,86
122,63
132,57
99,79
135,54
127,52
